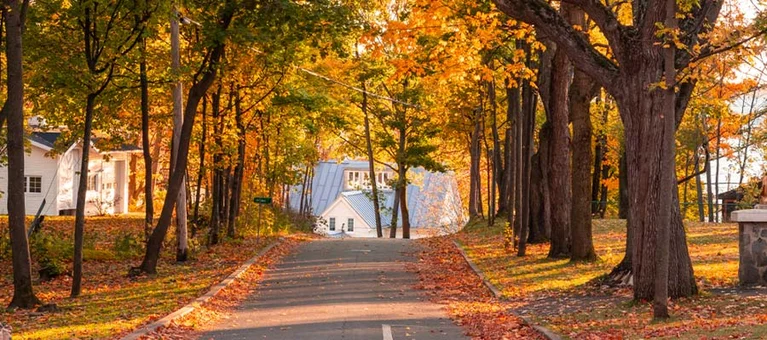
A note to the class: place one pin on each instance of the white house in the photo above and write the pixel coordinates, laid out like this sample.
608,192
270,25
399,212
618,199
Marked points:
50,180
339,195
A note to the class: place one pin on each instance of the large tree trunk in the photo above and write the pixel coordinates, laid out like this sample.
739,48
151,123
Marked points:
647,157
559,156
581,92
23,295
196,92
201,168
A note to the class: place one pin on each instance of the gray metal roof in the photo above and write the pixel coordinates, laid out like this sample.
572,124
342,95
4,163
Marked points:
45,138
433,198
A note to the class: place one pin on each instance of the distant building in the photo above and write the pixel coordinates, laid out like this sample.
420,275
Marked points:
53,178
340,196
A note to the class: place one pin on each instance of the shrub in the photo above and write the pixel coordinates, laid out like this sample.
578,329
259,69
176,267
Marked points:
51,253
127,245
5,245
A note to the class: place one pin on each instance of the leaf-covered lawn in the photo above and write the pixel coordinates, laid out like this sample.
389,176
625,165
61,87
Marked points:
111,303
566,297
447,279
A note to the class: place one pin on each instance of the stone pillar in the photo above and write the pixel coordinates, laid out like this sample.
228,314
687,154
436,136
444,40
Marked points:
752,245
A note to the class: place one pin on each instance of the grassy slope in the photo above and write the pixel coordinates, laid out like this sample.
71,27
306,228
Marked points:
111,302
714,252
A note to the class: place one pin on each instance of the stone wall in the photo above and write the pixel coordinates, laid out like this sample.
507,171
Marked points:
753,253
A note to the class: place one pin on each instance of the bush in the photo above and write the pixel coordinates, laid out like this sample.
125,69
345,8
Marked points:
51,253
5,245
128,245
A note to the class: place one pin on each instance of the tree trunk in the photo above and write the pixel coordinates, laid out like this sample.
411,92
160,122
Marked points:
403,203
667,174
196,92
201,169
214,231
146,150
650,176
182,246
699,190
82,187
559,157
623,187
475,153
239,170
580,216
505,204
528,125
582,90
23,294
371,163
394,212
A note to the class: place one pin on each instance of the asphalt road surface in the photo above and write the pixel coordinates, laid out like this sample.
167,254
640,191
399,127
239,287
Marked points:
339,289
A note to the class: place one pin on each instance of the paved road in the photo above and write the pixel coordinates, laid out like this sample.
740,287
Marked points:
339,289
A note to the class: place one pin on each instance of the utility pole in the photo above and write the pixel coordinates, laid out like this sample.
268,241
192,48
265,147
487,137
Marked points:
178,121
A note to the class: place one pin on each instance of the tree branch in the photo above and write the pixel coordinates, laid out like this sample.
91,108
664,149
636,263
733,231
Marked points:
607,22
546,19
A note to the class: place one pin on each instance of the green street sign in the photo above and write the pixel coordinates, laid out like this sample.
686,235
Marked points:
262,200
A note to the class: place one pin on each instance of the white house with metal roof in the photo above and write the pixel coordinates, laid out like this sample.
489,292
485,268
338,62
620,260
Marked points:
51,179
339,195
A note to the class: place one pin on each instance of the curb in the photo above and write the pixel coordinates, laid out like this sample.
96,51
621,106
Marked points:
547,333
190,307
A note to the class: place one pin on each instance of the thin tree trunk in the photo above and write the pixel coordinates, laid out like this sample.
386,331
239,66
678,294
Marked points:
239,169
201,169
218,176
528,125
403,203
699,190
395,212
148,183
13,110
475,187
82,187
182,246
371,163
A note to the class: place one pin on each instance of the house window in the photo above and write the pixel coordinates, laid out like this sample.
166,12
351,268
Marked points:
360,179
350,228
33,184
93,182
332,224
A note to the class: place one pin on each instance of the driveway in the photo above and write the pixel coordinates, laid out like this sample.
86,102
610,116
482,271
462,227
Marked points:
340,289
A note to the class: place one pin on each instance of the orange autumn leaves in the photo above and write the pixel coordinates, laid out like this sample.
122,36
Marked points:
447,279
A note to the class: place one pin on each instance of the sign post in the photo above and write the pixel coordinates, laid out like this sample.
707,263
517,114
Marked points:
261,201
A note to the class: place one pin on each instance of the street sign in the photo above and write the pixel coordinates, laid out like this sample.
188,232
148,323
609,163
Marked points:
262,200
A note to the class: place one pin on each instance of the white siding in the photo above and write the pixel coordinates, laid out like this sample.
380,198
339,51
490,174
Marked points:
341,210
35,164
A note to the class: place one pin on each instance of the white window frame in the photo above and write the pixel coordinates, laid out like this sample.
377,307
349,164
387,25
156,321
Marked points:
28,184
350,224
332,224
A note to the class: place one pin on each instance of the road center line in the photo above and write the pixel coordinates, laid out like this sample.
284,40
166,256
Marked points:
386,332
